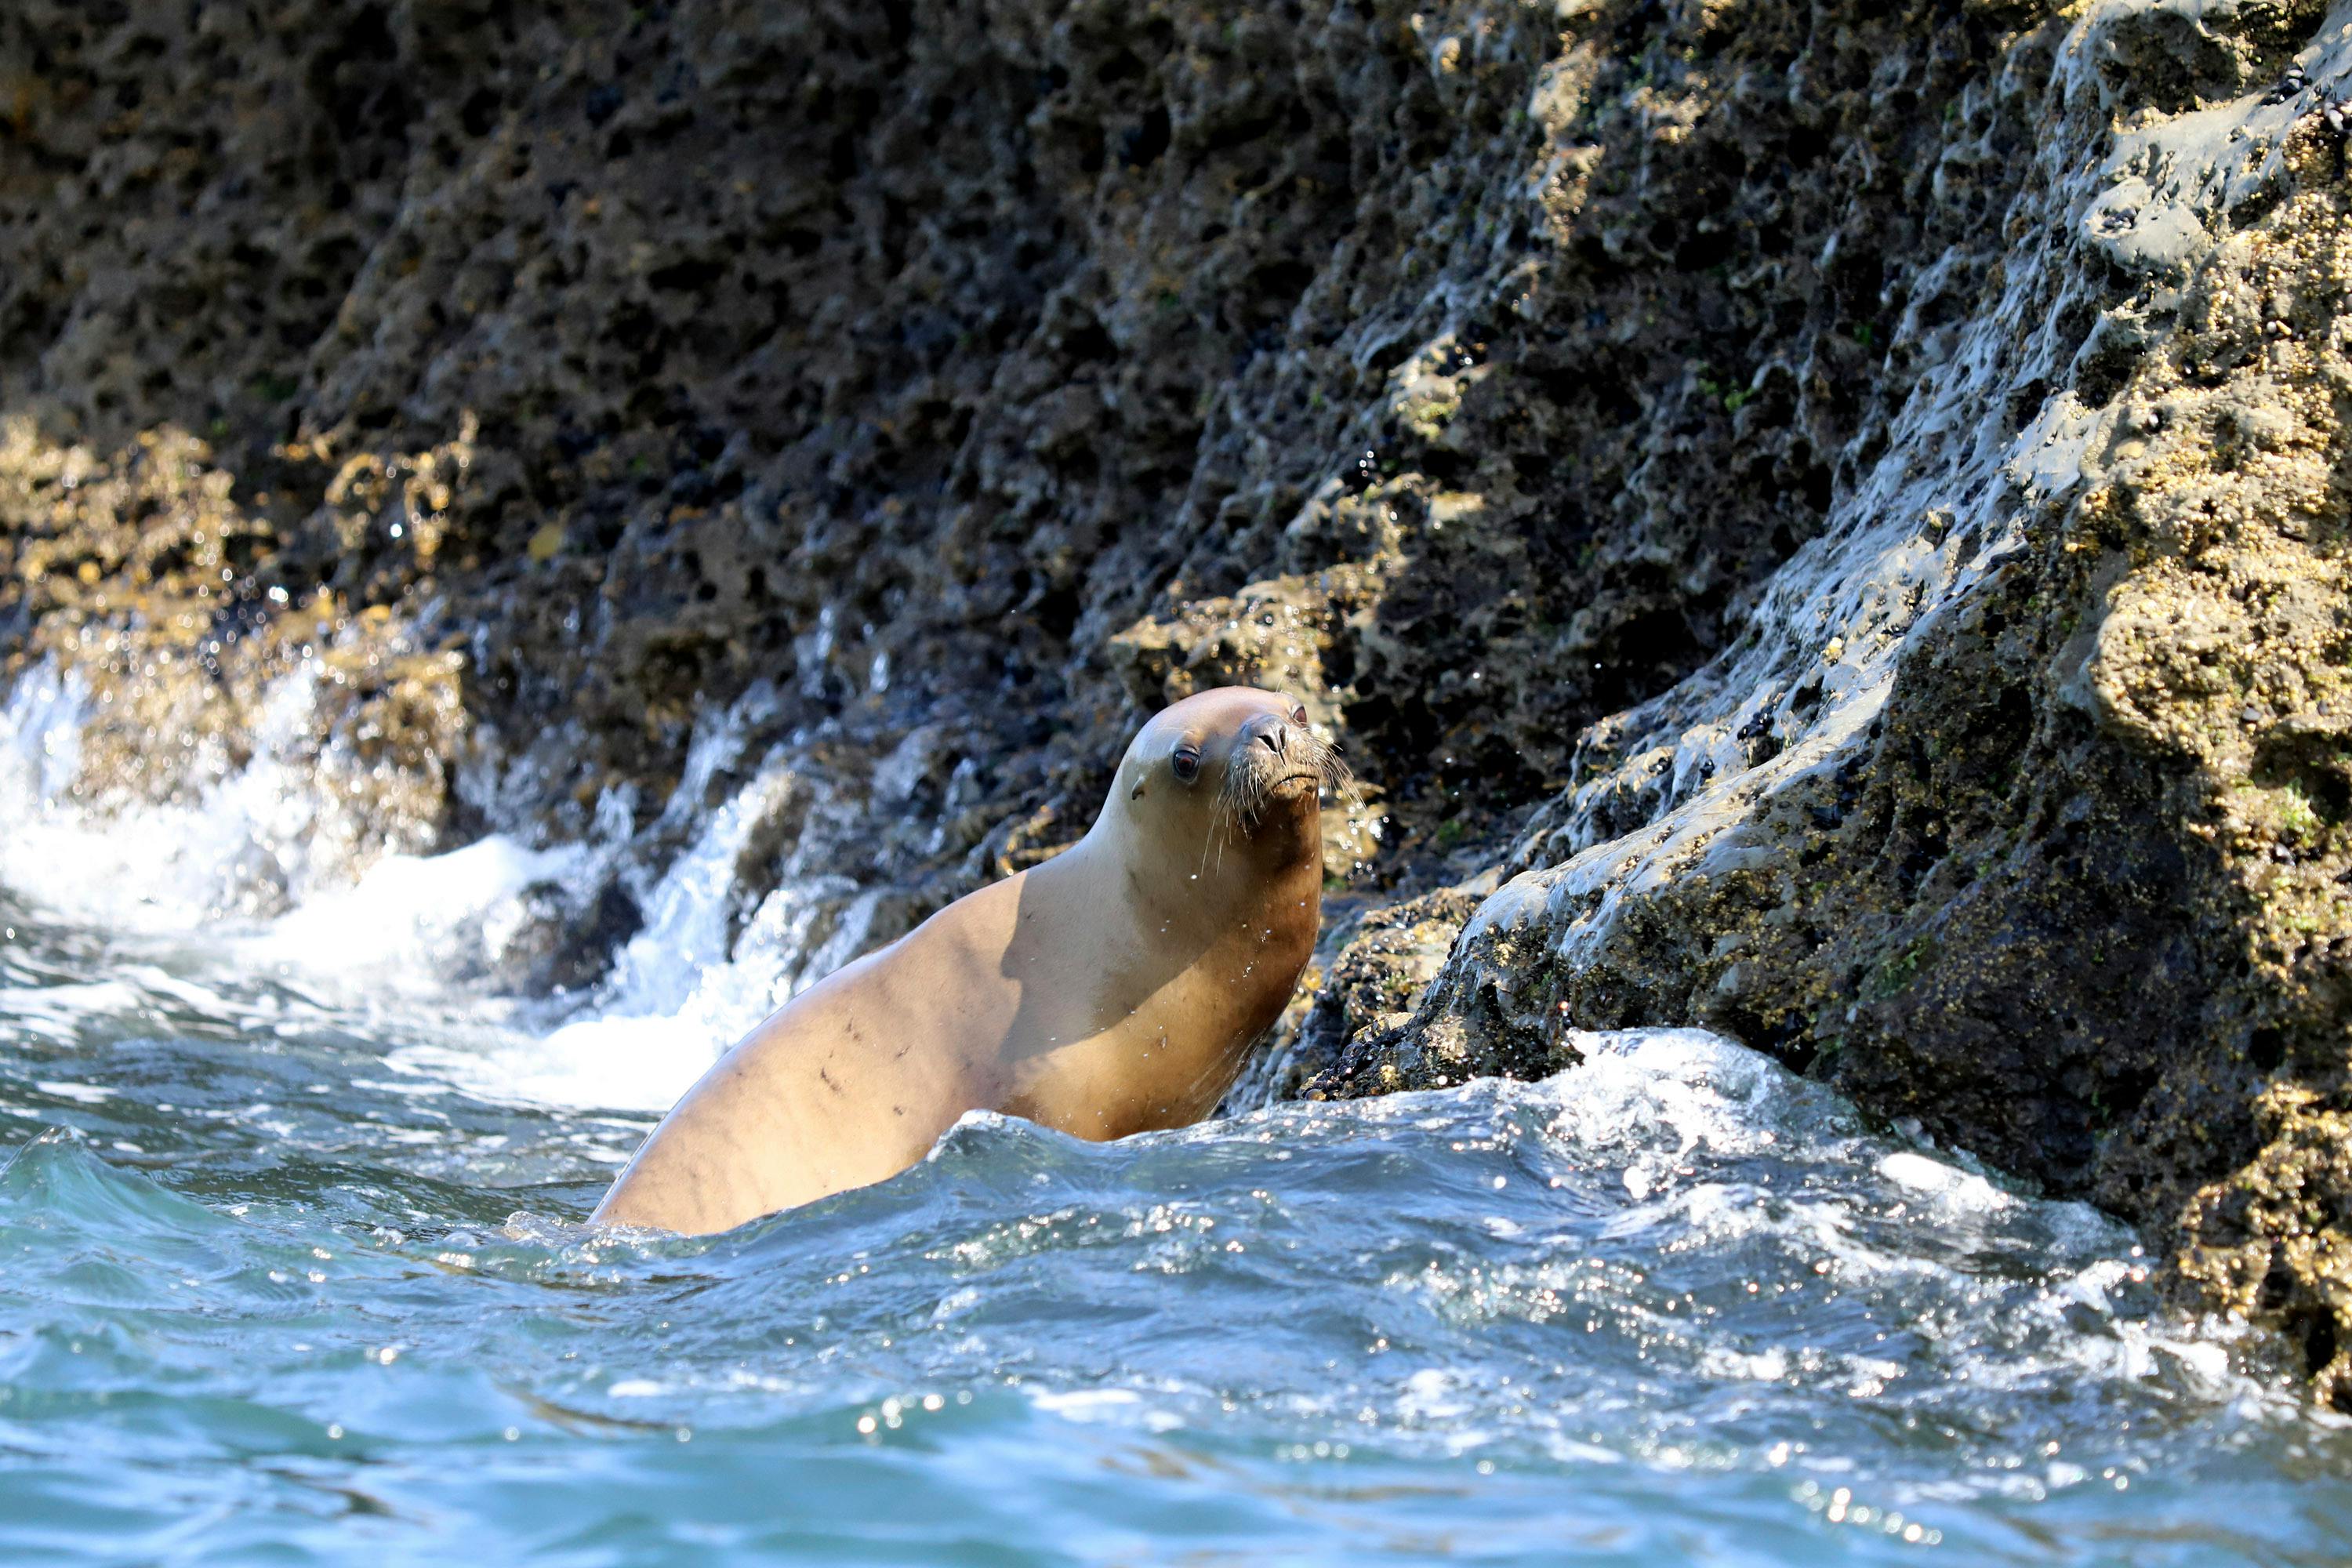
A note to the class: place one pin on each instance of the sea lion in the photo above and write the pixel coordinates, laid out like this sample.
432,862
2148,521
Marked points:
1112,989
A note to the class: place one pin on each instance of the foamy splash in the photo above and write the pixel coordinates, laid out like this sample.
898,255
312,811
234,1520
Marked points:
248,836
707,965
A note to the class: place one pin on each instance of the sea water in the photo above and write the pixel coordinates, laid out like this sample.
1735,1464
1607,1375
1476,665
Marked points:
266,1294
293,1269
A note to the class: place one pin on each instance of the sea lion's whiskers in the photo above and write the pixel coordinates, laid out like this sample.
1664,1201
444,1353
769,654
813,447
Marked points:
1229,822
1210,839
1338,776
1246,785
1252,776
1211,843
1210,1071
1346,794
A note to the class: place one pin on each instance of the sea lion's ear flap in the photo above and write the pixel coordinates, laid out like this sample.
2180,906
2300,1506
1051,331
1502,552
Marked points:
1137,793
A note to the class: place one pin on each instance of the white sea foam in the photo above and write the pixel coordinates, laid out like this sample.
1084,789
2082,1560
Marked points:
246,835
636,1051
1717,1170
55,1013
701,970
407,915
244,862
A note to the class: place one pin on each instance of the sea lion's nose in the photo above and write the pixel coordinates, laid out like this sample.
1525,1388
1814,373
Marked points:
1272,733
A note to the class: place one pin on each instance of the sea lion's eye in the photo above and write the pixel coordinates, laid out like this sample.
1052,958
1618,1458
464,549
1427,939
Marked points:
1187,763
1298,717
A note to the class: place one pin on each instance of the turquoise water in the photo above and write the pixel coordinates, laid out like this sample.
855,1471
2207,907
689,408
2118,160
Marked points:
271,1292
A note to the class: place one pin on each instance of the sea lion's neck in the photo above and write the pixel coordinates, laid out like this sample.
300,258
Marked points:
1190,896
1203,956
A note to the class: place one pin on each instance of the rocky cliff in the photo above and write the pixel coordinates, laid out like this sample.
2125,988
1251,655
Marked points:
1824,521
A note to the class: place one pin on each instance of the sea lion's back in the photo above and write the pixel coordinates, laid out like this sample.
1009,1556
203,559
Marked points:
846,1084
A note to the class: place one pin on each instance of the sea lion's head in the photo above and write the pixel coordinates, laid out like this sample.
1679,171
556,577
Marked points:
1232,770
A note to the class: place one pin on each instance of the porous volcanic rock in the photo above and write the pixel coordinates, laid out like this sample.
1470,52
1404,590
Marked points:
1821,520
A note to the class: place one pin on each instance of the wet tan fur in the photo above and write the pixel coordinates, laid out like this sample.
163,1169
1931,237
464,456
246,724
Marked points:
1113,989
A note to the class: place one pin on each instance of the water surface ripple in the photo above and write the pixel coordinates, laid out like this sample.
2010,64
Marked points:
270,1291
